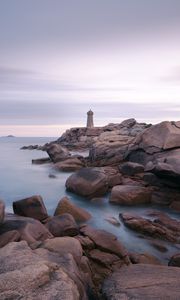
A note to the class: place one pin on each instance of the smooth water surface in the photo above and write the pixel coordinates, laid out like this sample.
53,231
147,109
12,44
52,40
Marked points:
20,179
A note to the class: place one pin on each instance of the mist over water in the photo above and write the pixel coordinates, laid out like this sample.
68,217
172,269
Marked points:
20,179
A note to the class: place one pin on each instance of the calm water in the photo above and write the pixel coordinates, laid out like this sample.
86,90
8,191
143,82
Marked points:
19,179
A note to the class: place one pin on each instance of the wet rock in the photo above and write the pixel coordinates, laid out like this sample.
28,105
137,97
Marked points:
175,260
141,282
160,228
64,245
105,241
159,246
2,211
63,225
66,206
175,205
130,195
88,182
40,161
113,221
30,230
131,168
32,207
144,258
57,153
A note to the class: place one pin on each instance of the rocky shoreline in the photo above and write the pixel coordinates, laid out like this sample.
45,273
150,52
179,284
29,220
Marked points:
62,256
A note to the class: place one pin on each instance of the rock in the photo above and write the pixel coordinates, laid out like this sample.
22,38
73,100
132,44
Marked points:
40,161
88,182
57,153
63,245
2,211
69,165
30,230
130,195
39,274
131,168
108,260
175,260
161,228
113,176
175,205
8,237
63,225
86,243
144,258
113,221
105,241
143,282
162,136
159,246
109,153
158,148
66,206
32,207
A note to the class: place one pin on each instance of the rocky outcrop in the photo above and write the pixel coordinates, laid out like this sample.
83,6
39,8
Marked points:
162,227
57,153
66,206
40,274
28,229
63,225
88,182
2,211
143,282
111,145
130,195
32,207
158,148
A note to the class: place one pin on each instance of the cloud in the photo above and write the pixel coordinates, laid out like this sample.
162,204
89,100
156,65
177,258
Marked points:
173,76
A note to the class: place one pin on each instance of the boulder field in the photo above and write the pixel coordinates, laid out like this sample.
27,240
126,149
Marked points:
132,164
58,258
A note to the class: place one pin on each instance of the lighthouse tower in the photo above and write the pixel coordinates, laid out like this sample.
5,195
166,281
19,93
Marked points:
90,123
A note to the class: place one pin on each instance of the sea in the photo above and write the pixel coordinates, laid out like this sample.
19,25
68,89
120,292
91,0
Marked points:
19,178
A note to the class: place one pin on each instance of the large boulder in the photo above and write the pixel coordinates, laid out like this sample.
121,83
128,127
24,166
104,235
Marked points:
64,245
130,195
66,206
32,207
162,136
2,211
57,152
88,182
39,274
143,282
63,225
28,229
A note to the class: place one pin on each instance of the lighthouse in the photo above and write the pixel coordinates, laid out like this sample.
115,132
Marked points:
90,123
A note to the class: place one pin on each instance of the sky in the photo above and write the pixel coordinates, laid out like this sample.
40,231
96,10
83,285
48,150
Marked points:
59,58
